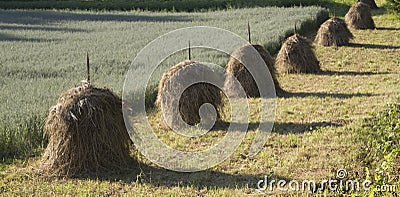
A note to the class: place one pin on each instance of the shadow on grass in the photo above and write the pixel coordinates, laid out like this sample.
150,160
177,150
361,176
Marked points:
289,127
8,37
321,95
351,73
388,28
21,27
372,46
157,176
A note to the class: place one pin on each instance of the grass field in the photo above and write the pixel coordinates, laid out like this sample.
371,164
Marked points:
163,5
47,52
326,123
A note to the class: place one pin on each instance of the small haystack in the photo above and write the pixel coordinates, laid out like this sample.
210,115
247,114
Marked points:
240,72
359,17
370,3
333,32
192,98
297,56
87,134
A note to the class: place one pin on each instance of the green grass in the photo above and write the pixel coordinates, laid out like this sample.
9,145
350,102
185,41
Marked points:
319,128
382,153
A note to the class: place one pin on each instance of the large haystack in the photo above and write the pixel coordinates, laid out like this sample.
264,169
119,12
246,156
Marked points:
359,17
297,56
370,3
192,98
87,134
241,73
333,32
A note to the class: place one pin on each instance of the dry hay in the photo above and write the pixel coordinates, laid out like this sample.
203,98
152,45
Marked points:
359,17
192,98
370,3
333,32
241,73
297,56
87,134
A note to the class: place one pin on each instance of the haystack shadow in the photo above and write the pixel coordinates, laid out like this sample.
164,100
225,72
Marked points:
322,95
388,28
157,176
351,73
372,46
290,127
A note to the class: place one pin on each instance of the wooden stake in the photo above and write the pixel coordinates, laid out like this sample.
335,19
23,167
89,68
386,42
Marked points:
190,55
87,68
249,31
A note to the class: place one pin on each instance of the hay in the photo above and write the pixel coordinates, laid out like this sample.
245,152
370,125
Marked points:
87,134
370,3
359,17
297,56
240,72
333,32
192,98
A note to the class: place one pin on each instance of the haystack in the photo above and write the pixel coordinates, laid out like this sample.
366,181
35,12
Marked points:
359,17
244,77
370,3
187,105
297,56
87,134
333,32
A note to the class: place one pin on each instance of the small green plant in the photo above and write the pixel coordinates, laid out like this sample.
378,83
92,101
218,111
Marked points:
383,149
26,140
393,6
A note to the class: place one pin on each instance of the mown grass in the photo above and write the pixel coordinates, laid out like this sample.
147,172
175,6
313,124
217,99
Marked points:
320,127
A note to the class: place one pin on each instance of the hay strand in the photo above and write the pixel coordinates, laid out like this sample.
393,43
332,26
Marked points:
297,56
333,32
359,17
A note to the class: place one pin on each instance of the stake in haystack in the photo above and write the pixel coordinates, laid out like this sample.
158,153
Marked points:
176,105
241,73
297,56
333,32
359,17
87,134
371,3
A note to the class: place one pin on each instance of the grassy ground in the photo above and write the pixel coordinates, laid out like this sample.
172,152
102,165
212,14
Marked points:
317,131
